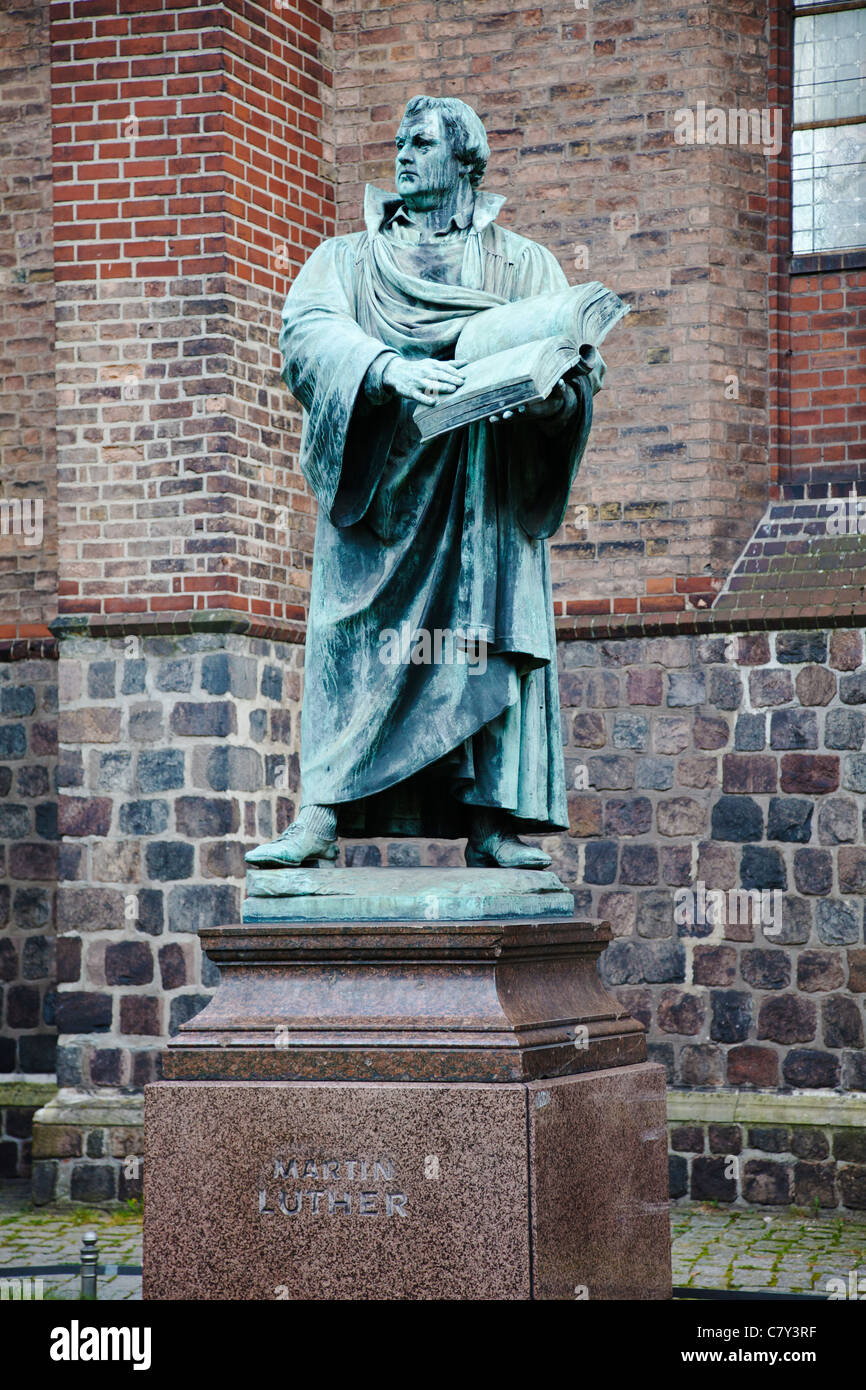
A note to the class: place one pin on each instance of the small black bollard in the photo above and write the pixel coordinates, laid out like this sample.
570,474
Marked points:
89,1261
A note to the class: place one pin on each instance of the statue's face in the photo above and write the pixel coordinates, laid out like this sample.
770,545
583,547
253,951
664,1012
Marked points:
427,171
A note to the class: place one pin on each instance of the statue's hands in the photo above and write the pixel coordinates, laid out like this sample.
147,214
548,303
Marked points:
558,402
426,380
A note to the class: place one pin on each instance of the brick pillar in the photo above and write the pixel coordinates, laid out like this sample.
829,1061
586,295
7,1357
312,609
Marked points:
28,577
191,182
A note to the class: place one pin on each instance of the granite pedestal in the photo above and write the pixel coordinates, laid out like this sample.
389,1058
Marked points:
417,1109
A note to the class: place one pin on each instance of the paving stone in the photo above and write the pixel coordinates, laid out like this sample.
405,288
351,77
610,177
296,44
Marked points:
838,820
813,871
846,649
588,730
750,733
710,731
787,1018
820,970
737,818
644,687
746,772
630,731
844,728
686,688
803,1067
671,734
654,774
837,921
762,867
815,685
639,864
842,1022
809,774
770,687
731,1015
790,819
852,688
797,647
793,728
854,772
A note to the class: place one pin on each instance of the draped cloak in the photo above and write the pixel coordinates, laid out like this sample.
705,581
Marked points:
447,535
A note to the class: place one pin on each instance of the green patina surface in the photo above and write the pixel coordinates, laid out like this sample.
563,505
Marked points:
414,895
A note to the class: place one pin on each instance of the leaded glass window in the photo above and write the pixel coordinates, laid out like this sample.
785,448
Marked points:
829,128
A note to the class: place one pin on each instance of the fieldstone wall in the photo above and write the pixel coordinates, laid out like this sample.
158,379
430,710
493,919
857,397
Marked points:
20,1098
173,761
708,764
769,1165
698,765
28,864
175,758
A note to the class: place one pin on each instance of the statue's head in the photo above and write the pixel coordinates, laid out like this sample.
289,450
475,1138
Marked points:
441,143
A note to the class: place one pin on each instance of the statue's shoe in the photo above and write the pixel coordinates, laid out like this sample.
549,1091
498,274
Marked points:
297,845
506,851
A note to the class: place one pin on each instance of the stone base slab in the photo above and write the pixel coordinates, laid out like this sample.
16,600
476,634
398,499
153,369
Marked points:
405,1001
340,1190
402,895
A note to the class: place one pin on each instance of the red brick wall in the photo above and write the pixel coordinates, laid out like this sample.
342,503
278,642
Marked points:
126,196
278,165
28,571
817,325
828,379
187,158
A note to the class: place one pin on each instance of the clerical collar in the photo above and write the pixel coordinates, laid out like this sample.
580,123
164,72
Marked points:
459,222
381,207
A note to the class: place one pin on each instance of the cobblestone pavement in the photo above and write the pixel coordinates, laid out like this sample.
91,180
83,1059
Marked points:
780,1251
47,1236
713,1247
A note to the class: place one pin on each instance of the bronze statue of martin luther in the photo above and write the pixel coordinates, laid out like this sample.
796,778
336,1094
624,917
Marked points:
445,535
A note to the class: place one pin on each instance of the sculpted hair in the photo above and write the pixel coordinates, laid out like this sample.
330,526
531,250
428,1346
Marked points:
465,131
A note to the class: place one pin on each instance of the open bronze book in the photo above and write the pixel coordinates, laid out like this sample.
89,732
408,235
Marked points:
516,353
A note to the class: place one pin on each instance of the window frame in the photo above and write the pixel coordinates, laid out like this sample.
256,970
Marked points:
834,258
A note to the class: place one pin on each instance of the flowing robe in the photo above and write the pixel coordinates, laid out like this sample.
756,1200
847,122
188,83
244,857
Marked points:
448,535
